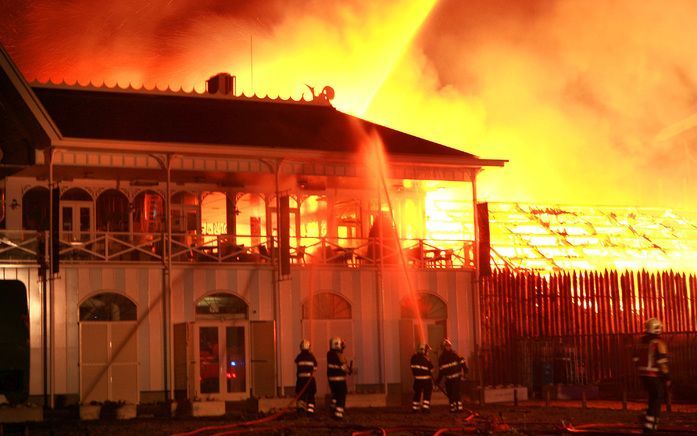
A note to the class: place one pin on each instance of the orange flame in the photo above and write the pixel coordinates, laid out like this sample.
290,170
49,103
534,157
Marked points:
592,111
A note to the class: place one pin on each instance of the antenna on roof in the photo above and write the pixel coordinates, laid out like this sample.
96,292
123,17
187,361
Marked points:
251,62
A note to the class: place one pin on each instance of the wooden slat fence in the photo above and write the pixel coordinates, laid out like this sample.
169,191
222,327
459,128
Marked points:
582,327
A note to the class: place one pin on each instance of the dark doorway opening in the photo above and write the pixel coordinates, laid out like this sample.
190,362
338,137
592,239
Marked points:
14,341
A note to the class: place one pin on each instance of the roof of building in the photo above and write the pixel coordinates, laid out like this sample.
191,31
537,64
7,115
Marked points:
554,237
114,114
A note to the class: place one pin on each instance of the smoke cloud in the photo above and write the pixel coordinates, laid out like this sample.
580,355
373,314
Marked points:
592,104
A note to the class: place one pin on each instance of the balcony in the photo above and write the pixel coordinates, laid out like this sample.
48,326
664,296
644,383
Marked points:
28,247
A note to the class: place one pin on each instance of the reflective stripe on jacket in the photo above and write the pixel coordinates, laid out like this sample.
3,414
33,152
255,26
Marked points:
421,366
336,366
305,363
651,358
450,365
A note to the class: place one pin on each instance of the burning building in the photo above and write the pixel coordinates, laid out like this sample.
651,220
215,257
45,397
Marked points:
172,244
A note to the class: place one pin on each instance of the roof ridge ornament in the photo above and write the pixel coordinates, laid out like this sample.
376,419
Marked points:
325,96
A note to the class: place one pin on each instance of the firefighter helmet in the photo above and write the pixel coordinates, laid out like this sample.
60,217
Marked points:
337,344
446,344
423,348
654,326
304,345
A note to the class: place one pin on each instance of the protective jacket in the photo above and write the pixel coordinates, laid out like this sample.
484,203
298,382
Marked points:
337,368
651,358
306,364
451,365
421,367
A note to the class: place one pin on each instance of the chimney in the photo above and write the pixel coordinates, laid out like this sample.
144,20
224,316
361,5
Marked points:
221,83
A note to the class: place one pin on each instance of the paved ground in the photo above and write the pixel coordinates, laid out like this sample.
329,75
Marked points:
528,418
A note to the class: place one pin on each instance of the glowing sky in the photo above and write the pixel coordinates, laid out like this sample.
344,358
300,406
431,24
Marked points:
592,102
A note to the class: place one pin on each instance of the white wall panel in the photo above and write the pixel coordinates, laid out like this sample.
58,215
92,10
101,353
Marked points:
256,286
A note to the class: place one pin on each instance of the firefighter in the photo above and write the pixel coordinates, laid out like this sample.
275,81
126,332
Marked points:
305,385
453,369
337,370
422,370
652,364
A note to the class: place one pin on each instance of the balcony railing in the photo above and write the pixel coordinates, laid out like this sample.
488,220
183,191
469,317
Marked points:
29,247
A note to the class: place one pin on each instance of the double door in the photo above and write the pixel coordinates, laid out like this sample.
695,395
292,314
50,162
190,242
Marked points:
221,367
410,332
109,361
319,332
76,221
225,359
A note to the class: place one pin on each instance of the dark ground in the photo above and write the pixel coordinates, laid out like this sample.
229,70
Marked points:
529,418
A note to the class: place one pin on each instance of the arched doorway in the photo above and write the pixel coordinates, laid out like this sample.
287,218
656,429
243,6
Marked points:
148,212
112,211
35,209
250,221
108,349
325,315
423,317
221,347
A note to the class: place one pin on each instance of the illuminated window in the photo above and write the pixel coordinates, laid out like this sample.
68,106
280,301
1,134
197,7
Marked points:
327,305
251,219
108,306
313,216
185,212
348,219
293,219
148,212
214,213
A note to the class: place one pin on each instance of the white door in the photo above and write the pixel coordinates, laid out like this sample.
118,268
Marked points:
76,221
221,369
319,332
109,361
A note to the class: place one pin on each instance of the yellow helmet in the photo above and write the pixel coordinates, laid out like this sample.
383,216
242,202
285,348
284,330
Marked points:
304,345
337,344
654,326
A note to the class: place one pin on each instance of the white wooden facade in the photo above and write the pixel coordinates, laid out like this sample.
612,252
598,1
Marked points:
167,273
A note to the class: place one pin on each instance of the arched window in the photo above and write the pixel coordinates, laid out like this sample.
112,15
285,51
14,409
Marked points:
112,211
35,208
429,306
313,216
326,305
148,212
108,306
221,305
185,212
250,223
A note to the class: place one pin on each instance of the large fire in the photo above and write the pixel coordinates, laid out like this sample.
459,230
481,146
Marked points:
599,110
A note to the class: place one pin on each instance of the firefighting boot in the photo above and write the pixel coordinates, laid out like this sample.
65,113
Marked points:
415,406
426,406
453,407
339,413
650,424
460,408
300,407
310,409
